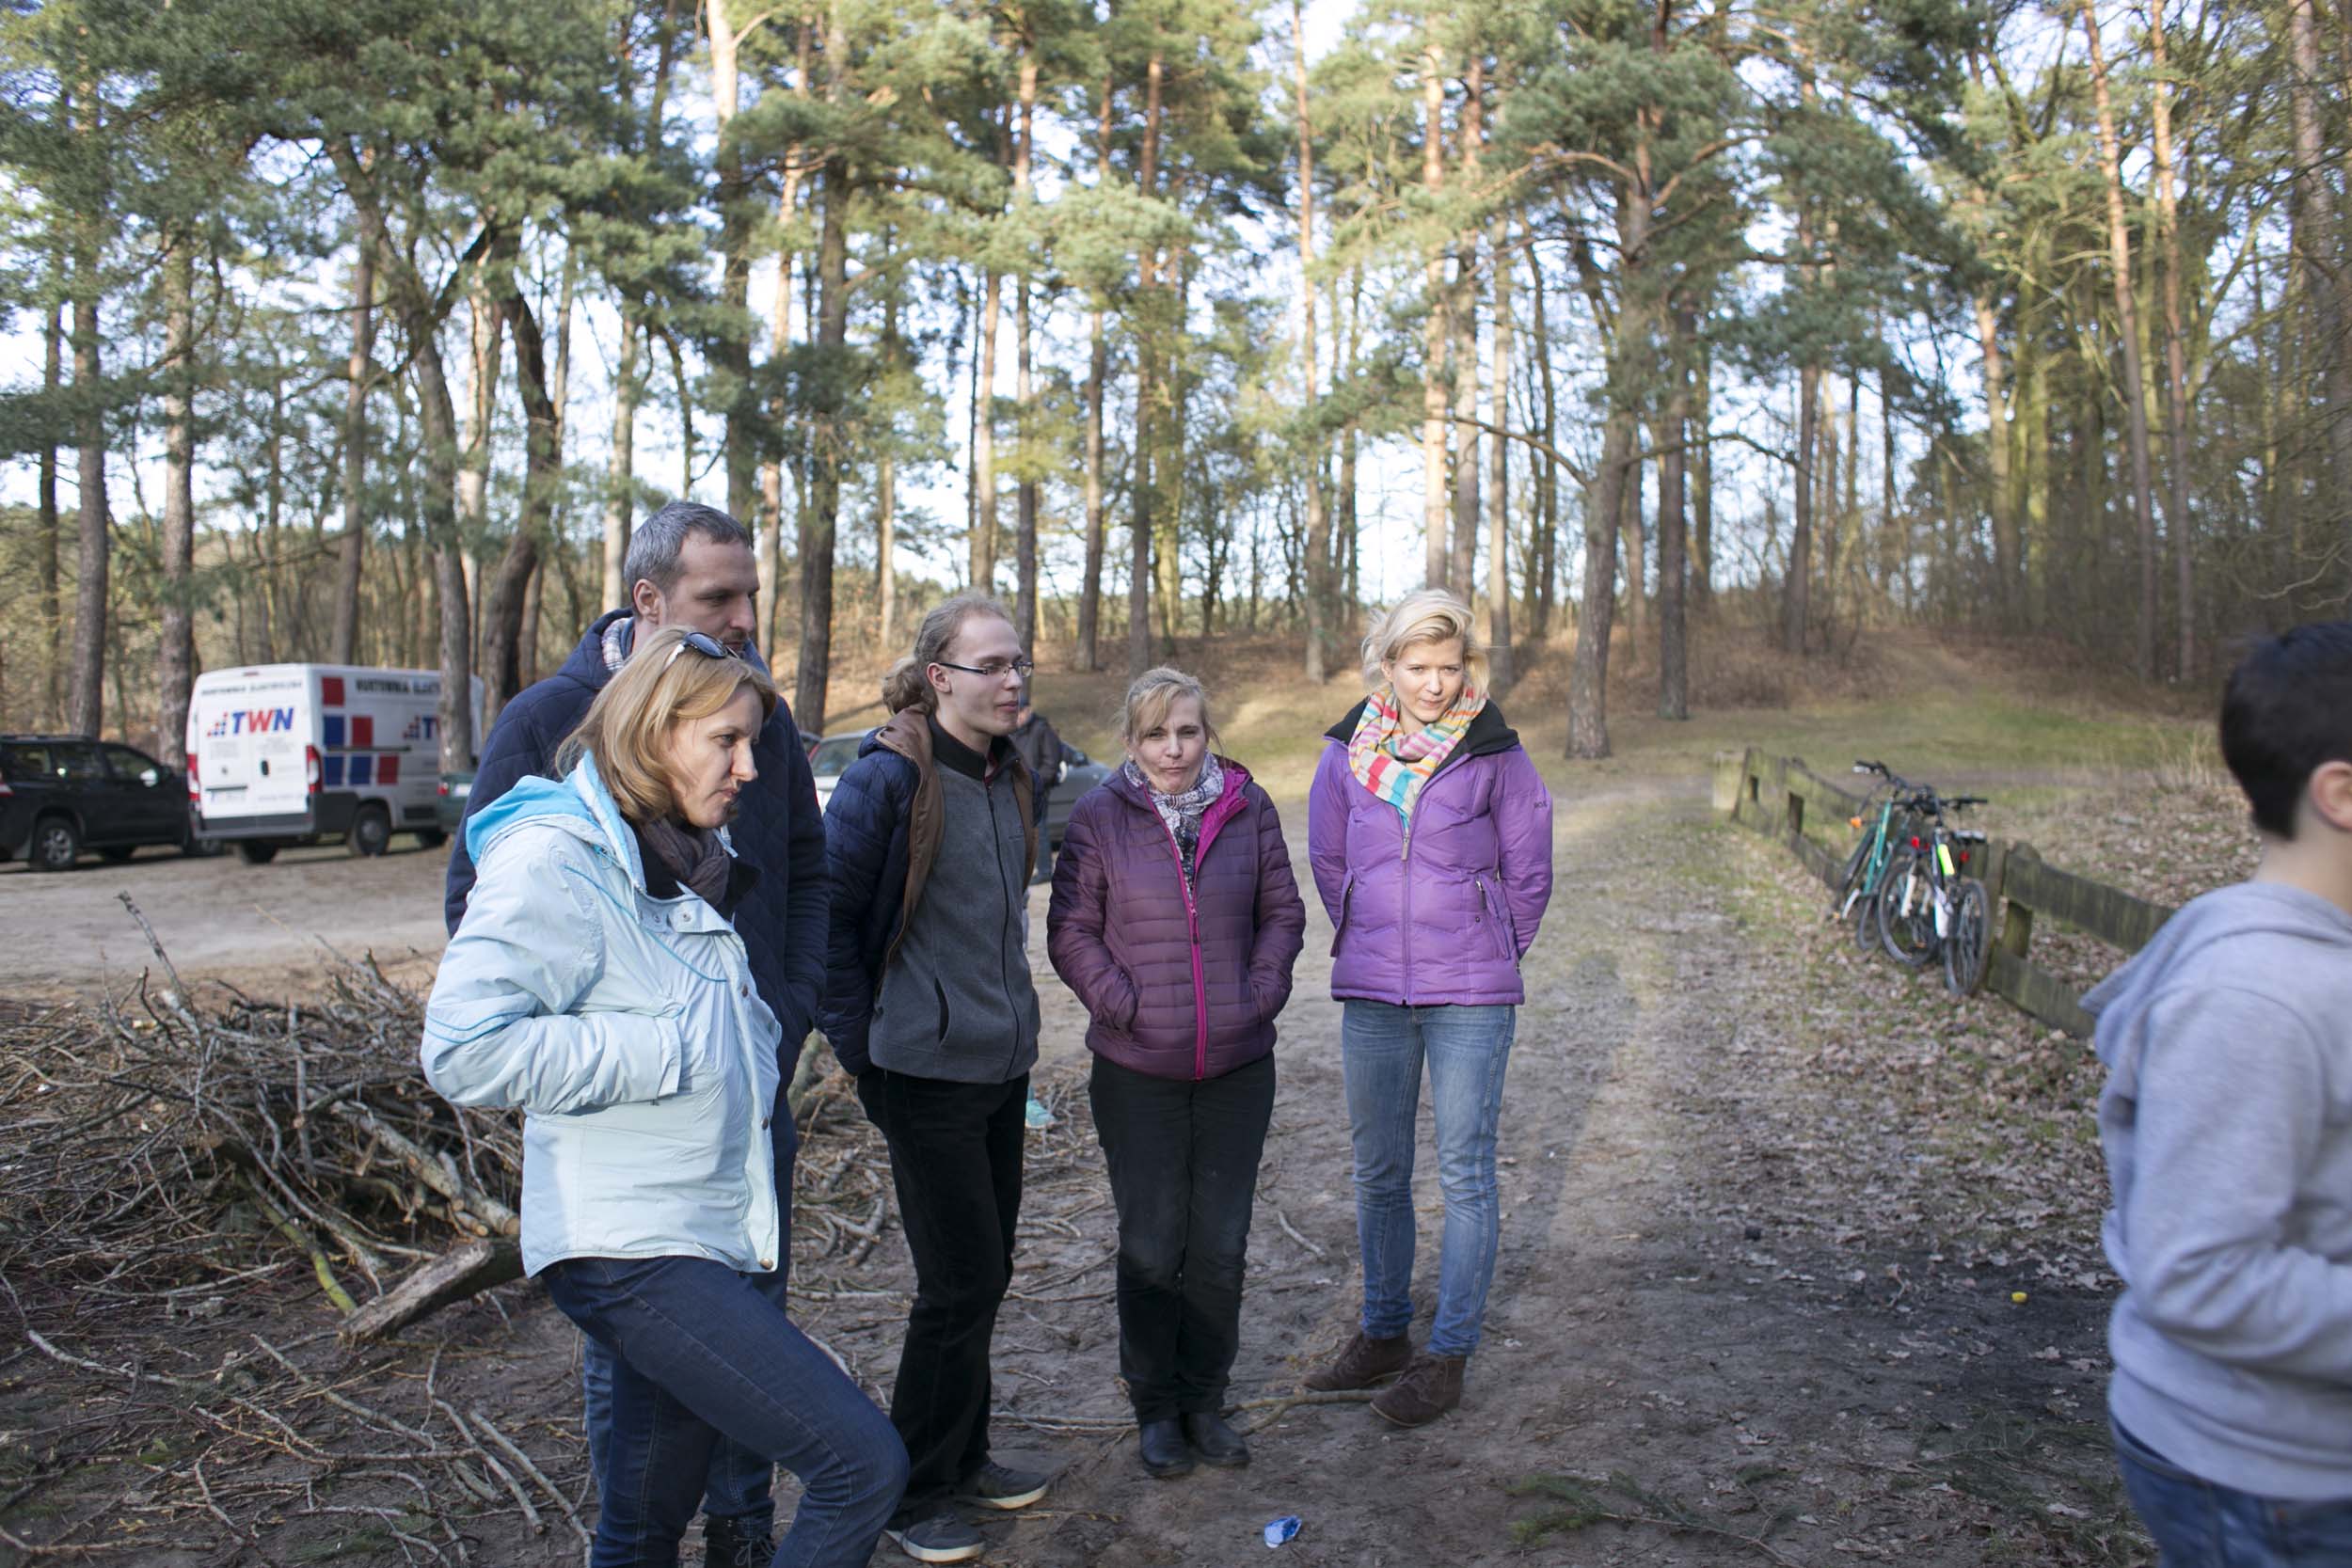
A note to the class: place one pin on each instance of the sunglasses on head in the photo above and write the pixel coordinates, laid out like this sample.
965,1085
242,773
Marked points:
703,644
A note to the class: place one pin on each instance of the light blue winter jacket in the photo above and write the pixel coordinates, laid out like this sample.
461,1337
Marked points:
626,1027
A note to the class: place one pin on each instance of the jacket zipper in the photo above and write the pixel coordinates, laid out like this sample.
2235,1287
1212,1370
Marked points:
1004,969
1192,927
1404,856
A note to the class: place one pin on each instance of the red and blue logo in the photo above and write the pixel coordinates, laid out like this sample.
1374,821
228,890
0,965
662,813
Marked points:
253,721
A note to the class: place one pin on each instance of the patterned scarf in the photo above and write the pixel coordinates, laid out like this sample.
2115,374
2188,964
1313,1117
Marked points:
1183,811
1393,765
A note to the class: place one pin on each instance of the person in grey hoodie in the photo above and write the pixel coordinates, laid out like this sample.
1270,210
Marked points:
928,1003
2227,1124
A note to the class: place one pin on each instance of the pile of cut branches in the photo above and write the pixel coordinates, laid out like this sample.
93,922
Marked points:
216,1213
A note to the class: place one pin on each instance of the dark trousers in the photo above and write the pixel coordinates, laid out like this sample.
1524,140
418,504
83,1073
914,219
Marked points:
699,1350
1183,1165
955,1158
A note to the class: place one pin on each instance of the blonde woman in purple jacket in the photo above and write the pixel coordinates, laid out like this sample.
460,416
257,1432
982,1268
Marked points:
1430,834
1176,920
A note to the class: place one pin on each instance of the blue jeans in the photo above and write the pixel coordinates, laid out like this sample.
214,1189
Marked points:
1382,1049
739,1480
2198,1524
700,1350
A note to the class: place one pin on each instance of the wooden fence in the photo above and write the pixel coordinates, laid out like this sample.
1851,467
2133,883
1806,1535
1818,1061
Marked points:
1783,799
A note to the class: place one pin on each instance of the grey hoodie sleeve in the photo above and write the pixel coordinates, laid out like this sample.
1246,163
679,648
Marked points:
2228,1111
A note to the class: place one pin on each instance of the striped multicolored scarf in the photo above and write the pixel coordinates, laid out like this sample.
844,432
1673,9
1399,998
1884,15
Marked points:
1393,765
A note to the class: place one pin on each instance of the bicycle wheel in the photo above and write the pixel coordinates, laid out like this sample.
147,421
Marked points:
1906,914
1969,947
1849,877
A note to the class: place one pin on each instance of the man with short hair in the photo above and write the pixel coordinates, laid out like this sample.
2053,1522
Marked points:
692,566
2227,1125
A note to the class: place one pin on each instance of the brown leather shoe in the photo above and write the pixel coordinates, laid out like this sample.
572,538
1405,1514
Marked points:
1430,1387
1362,1362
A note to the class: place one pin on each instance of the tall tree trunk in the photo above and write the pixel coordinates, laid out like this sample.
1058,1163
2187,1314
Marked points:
1088,653
1499,453
1588,675
1997,442
2178,522
1796,592
175,647
2319,246
361,369
729,350
1462,560
1025,492
2134,393
827,431
1147,395
1547,570
1673,434
886,496
87,710
1318,541
502,618
1351,585
1702,590
45,501
770,551
622,481
984,440
1434,409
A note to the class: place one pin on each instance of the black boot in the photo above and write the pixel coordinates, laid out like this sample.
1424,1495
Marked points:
1162,1447
1214,1441
742,1543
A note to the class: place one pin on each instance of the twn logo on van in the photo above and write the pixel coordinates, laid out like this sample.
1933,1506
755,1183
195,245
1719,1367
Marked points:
250,722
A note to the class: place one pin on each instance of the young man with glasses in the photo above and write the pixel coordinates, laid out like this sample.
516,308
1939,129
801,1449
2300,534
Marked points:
928,1003
692,566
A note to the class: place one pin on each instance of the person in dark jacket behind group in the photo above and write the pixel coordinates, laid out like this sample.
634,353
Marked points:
691,568
1430,834
1175,920
1041,747
928,1004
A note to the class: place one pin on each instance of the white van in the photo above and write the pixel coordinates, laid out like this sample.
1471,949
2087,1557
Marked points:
292,754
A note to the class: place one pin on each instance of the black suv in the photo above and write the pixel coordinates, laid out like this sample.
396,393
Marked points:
60,793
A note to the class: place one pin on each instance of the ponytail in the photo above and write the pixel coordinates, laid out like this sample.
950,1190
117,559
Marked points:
908,684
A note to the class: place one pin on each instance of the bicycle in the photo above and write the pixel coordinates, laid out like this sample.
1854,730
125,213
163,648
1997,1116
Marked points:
1929,907
1859,881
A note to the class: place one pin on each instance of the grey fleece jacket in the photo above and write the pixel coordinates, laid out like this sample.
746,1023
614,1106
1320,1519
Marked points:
2226,1122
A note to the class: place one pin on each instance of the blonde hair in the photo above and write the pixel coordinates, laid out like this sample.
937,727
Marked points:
628,727
1430,615
1150,695
908,683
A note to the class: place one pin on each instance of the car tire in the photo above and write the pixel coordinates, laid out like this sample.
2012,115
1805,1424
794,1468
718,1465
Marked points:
432,838
371,831
56,845
256,852
116,854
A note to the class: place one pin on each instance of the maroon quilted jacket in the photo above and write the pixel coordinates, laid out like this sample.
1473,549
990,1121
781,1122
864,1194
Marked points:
1178,983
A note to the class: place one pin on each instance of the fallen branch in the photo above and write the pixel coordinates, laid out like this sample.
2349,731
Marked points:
462,1272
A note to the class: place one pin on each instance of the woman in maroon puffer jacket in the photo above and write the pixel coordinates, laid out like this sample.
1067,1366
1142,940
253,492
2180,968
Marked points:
1176,920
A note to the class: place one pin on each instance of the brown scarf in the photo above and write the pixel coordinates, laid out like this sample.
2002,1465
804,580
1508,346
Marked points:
694,856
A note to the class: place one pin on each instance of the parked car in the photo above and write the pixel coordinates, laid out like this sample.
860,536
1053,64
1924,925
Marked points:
448,806
60,795
832,755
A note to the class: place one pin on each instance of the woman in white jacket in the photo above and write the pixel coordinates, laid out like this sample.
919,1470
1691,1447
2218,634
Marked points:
598,983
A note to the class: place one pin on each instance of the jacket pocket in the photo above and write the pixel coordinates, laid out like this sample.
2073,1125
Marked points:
1347,899
1497,915
939,994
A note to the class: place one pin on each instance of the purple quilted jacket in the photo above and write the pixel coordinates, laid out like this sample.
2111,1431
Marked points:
1446,919
1178,983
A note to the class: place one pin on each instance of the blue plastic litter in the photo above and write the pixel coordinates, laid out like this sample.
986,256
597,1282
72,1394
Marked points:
1038,1116
1279,1531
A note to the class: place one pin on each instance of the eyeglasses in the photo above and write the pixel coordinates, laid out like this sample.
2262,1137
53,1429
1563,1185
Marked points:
703,644
994,669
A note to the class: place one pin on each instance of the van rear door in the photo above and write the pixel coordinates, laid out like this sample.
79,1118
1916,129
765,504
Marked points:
251,728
